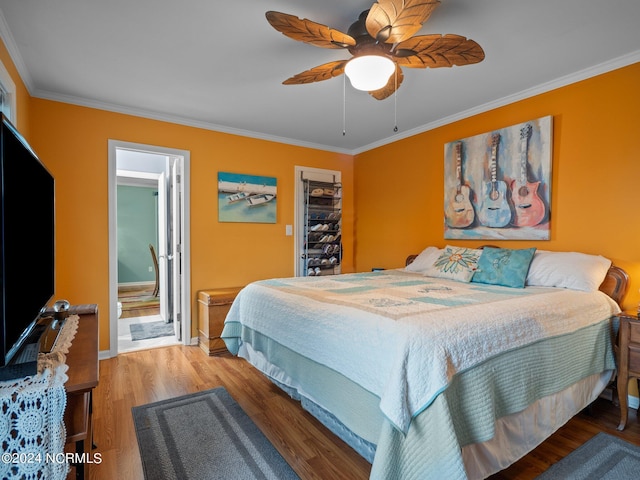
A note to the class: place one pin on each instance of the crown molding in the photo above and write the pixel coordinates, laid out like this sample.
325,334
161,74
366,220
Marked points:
14,53
163,117
575,77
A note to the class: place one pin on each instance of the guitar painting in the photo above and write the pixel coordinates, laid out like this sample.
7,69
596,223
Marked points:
529,209
459,211
497,184
494,210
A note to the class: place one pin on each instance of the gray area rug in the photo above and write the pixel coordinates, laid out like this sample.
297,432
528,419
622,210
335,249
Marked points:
142,331
604,457
204,436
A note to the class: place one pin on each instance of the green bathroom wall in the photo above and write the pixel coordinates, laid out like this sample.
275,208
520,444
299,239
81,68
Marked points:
137,228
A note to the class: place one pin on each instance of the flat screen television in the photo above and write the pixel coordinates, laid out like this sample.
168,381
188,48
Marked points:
27,243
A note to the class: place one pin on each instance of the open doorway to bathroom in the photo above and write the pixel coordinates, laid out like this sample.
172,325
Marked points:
147,247
140,324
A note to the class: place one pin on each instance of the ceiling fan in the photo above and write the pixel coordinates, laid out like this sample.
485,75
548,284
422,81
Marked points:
382,34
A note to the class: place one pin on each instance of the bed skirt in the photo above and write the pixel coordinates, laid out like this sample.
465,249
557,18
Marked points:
480,460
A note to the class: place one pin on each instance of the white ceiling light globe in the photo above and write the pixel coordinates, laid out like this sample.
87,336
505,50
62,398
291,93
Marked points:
369,72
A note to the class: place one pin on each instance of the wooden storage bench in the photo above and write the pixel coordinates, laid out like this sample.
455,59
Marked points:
213,306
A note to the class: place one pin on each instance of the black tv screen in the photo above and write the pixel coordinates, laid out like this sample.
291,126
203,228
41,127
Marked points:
27,243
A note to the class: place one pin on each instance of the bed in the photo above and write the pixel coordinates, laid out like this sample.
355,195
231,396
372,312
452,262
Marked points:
430,373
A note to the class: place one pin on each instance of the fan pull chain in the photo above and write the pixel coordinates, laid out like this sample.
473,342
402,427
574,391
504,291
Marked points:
395,103
344,105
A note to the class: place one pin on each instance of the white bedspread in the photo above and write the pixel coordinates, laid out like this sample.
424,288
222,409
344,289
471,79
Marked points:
403,336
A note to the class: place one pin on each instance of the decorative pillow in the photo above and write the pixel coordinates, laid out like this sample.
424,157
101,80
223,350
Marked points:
425,260
573,270
504,266
455,263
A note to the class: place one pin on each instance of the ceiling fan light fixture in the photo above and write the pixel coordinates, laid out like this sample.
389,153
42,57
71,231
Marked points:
369,72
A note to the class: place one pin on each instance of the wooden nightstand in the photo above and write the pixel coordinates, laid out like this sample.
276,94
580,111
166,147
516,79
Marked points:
628,359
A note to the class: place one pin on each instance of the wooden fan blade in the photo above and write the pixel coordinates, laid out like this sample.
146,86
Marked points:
435,51
391,86
318,74
310,32
393,21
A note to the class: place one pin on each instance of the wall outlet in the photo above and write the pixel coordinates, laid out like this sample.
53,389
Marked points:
151,269
288,230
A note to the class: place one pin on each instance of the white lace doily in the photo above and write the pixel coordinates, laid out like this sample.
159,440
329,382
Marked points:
32,428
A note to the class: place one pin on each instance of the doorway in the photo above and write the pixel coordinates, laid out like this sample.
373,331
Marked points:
152,183
304,174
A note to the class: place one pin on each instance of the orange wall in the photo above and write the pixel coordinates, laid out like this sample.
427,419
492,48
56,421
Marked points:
596,167
73,142
397,208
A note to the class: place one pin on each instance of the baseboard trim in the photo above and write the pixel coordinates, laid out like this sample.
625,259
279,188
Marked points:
105,355
136,285
633,402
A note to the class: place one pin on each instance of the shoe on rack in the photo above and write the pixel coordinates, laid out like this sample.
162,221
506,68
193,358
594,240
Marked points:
318,271
311,272
333,260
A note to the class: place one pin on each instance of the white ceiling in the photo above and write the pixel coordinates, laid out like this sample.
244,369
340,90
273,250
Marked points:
220,65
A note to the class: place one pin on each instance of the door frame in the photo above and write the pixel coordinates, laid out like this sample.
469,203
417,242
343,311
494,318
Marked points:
163,252
185,286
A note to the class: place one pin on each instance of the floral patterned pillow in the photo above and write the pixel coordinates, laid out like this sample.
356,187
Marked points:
455,263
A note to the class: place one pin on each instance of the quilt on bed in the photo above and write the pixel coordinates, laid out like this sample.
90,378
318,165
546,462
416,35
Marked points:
402,336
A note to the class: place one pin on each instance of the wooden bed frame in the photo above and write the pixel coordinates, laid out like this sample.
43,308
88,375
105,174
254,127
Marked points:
615,284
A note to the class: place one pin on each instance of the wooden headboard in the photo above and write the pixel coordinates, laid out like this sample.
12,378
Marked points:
615,284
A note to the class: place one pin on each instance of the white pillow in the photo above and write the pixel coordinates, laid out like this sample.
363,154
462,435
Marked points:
425,260
572,270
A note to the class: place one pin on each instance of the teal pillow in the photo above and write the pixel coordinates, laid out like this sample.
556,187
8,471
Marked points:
504,266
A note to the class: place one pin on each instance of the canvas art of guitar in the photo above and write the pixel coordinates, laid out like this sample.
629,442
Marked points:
494,210
529,210
459,212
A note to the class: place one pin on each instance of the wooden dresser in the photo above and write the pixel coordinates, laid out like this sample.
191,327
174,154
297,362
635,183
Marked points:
82,361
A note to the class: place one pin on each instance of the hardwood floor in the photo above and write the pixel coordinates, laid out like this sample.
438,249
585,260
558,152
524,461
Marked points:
138,301
312,451
140,312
